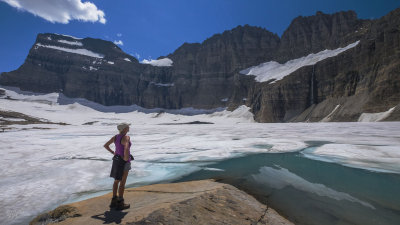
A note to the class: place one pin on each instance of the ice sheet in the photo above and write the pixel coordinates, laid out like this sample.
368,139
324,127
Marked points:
281,178
372,157
37,159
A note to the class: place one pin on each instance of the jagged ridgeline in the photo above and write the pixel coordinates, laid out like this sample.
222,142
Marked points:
323,68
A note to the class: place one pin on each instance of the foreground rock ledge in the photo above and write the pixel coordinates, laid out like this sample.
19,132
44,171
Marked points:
194,202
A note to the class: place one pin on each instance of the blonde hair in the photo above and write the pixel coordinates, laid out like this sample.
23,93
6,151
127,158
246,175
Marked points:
122,126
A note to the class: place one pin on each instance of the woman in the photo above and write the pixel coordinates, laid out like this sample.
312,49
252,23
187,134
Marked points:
121,165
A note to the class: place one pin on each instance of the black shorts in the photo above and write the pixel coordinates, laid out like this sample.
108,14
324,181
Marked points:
118,167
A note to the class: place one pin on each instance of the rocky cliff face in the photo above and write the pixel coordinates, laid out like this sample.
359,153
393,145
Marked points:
363,79
315,33
201,75
225,53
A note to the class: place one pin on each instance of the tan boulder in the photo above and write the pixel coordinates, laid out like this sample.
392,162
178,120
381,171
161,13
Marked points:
194,202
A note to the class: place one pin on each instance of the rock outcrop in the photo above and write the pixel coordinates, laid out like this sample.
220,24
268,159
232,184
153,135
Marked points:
194,202
319,32
363,79
201,75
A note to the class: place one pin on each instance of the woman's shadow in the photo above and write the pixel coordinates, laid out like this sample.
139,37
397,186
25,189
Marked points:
111,216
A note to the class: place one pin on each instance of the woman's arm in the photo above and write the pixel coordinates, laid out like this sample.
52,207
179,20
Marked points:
107,145
126,147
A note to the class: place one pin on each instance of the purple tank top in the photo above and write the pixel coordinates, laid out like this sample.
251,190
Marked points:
119,148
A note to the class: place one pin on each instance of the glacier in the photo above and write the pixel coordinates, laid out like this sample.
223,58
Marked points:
274,71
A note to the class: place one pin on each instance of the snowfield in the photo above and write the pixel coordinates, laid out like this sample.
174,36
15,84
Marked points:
68,162
275,71
158,62
375,117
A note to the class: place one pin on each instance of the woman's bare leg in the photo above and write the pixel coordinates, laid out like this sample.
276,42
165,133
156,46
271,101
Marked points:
122,184
115,187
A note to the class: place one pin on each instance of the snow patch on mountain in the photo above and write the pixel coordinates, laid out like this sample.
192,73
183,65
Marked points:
375,117
77,43
93,68
158,62
80,51
65,35
275,71
224,100
329,116
163,84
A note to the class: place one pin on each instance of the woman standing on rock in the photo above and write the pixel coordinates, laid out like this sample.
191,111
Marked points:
121,165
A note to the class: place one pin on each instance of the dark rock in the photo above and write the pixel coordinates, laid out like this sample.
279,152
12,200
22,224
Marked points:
207,75
22,119
202,83
362,79
193,122
319,32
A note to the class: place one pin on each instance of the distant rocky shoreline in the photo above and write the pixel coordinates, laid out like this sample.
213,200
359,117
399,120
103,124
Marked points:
193,202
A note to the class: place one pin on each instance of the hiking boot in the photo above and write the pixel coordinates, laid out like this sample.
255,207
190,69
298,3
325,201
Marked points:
121,204
114,202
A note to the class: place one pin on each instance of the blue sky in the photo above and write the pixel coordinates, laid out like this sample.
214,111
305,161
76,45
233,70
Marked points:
153,28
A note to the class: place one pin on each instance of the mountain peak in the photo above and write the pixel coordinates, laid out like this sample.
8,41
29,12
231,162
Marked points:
106,49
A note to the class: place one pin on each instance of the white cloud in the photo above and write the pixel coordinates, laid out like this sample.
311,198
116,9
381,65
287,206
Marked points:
119,42
60,11
119,35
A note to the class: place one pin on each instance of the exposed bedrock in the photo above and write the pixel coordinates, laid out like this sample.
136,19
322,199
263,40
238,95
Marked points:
363,79
193,202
